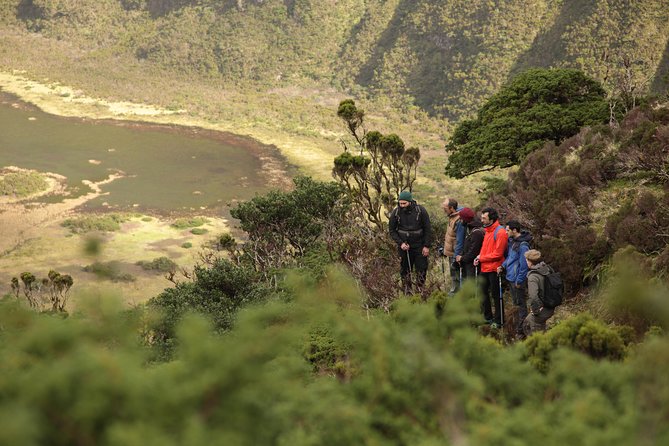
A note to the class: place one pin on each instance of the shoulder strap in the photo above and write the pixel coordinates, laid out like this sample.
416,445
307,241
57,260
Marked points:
494,234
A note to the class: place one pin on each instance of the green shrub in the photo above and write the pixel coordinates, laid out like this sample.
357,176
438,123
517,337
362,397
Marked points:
198,231
88,223
582,333
185,223
187,245
22,184
160,264
109,271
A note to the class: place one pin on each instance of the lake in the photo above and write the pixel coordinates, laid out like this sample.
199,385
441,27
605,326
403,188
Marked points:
165,169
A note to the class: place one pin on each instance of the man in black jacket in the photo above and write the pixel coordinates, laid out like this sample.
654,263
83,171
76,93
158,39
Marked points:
473,243
409,226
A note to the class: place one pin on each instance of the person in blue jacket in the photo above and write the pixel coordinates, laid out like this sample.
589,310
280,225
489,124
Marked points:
516,270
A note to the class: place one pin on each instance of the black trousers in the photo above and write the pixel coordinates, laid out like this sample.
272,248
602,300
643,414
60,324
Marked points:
490,289
413,260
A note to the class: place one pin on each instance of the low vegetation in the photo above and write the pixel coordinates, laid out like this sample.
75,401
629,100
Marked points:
22,184
89,223
185,223
111,270
160,264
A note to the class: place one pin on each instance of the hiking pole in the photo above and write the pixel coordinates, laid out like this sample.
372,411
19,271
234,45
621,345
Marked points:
443,267
410,272
460,267
501,302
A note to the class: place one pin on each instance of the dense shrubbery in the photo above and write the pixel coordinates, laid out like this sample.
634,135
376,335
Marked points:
403,378
217,291
558,189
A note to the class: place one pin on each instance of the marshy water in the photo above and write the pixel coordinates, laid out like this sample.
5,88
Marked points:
164,169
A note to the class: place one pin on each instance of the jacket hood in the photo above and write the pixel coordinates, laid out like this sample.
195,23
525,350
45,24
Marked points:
475,223
542,268
523,237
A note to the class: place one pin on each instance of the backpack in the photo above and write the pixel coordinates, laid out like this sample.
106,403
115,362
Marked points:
553,289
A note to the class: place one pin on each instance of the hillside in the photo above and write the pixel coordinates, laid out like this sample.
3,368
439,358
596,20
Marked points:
443,57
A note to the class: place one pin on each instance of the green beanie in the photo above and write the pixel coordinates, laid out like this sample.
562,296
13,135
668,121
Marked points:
405,195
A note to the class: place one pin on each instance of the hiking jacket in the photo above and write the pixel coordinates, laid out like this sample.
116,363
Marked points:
535,285
515,263
455,235
473,242
493,248
410,225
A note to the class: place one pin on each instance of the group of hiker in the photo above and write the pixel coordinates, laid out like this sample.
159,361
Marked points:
478,248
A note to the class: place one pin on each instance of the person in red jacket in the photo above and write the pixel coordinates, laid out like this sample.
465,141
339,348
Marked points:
490,258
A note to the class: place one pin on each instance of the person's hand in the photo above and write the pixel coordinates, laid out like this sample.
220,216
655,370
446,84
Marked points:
458,258
404,246
426,251
499,270
476,261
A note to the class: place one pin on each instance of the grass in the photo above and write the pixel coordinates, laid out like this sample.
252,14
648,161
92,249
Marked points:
198,231
22,184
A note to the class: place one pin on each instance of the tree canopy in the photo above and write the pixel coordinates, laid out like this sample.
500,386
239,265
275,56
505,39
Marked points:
537,106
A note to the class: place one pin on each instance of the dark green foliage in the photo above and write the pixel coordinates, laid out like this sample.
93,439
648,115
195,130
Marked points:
216,292
536,106
283,225
159,264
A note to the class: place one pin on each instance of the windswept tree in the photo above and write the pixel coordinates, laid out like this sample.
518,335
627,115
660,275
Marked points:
537,106
374,168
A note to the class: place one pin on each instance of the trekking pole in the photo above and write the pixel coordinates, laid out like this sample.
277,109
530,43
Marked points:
410,272
501,302
443,269
476,280
460,267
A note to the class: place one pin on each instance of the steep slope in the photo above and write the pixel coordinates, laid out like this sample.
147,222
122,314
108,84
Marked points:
444,57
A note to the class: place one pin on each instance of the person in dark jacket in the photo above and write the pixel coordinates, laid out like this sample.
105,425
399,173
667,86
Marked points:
409,226
516,270
472,245
538,270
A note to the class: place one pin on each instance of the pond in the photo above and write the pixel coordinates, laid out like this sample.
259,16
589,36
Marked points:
164,169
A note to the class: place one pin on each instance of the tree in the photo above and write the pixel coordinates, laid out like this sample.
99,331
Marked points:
381,170
537,106
281,226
